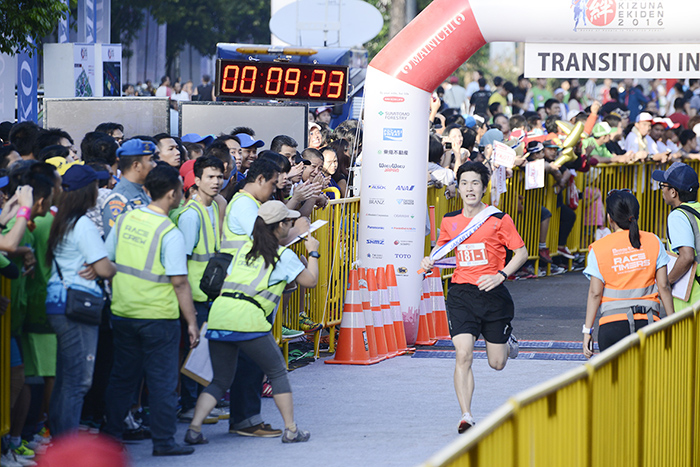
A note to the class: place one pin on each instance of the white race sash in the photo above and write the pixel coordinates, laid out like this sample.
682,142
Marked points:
476,222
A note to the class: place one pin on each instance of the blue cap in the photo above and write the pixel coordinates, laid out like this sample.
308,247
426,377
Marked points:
470,122
195,138
4,181
136,147
680,176
79,176
247,141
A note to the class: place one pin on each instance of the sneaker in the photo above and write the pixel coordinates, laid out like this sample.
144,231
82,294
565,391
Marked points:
465,423
565,252
513,347
139,434
291,333
8,460
22,450
262,430
45,433
176,450
192,437
298,436
223,413
544,255
555,270
307,325
186,417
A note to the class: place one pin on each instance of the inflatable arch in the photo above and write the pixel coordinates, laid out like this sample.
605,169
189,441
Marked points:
401,78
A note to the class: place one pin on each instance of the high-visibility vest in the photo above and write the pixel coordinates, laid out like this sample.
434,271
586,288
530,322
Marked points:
208,244
630,277
140,289
247,300
232,242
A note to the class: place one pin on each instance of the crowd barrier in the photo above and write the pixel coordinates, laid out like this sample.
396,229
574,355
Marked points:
5,362
636,404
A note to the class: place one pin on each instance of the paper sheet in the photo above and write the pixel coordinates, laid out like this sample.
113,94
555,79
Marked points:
503,155
534,174
315,226
198,364
681,289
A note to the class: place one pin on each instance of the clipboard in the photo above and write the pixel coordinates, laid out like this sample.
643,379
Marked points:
682,288
315,226
198,363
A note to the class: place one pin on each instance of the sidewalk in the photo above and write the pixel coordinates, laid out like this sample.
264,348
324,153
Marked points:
395,413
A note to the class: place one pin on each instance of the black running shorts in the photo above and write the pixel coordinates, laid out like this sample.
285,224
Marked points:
472,311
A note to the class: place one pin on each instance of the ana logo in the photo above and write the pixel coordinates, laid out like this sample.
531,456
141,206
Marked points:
405,187
393,99
377,187
402,270
393,134
375,241
405,202
376,201
375,227
402,256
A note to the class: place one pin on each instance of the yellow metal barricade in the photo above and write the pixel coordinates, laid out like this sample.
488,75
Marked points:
5,361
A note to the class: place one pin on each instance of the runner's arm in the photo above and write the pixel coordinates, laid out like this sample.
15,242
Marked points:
490,282
664,287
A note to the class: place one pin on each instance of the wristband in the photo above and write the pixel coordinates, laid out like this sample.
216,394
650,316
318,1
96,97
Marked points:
24,212
586,330
315,254
505,276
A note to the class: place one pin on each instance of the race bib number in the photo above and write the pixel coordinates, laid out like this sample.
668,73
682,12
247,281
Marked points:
472,254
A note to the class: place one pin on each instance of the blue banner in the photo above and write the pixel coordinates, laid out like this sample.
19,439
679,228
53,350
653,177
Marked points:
27,86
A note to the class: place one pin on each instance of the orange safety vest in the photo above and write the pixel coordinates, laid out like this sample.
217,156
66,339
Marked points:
630,277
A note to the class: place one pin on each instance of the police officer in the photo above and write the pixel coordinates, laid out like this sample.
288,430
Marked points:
135,162
625,269
199,224
149,287
679,188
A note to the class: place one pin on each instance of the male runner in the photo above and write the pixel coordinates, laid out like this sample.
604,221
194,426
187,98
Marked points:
478,302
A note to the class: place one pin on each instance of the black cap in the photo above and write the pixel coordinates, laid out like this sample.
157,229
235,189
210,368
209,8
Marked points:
680,176
79,176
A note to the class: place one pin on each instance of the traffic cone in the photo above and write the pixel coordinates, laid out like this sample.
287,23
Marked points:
395,304
429,308
353,348
391,341
437,298
423,326
369,319
379,333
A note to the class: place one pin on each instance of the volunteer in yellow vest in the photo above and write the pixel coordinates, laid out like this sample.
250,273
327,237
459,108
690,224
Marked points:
149,292
679,188
241,318
627,270
199,224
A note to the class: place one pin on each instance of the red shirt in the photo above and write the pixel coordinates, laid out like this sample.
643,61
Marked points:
484,253
680,117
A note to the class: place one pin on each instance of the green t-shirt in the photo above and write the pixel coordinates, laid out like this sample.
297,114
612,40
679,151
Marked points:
175,213
36,321
18,290
601,151
540,96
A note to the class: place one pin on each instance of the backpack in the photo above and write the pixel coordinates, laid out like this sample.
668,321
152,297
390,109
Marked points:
214,274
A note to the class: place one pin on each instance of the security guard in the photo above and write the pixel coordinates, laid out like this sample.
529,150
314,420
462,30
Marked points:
149,287
135,162
679,188
625,268
199,224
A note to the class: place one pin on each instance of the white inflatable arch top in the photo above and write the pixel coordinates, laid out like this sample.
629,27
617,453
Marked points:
403,75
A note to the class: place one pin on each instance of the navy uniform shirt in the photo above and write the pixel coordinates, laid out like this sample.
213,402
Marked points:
125,197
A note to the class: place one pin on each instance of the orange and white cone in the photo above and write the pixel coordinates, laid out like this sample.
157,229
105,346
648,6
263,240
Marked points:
395,304
385,305
437,298
423,323
429,308
353,348
369,319
379,332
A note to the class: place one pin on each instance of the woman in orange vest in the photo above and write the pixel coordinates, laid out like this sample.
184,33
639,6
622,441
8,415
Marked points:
625,268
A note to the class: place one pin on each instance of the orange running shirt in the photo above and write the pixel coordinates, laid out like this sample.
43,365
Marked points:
484,253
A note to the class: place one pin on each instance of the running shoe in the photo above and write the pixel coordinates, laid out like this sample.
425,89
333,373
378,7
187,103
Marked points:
192,437
555,270
263,430
308,325
186,417
565,252
22,450
291,333
513,347
465,423
298,436
544,255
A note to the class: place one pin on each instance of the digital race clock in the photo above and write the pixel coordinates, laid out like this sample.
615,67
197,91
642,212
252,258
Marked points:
281,80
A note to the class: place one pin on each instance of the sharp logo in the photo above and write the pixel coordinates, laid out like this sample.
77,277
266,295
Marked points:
402,256
405,202
379,201
375,241
405,187
393,134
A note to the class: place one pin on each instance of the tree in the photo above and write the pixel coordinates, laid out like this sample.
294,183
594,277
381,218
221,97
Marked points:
22,19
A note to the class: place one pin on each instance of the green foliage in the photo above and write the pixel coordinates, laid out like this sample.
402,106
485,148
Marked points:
27,18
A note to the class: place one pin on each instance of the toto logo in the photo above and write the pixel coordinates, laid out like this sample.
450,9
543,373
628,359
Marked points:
402,256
